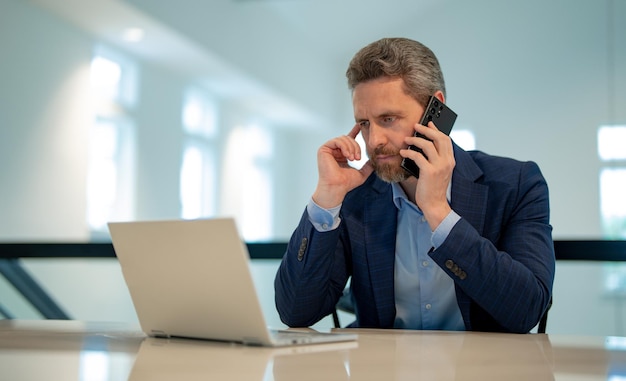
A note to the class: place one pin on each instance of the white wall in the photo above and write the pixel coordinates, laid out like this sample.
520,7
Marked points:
532,85
43,76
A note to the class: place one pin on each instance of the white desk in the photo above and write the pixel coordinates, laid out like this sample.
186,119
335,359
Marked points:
71,350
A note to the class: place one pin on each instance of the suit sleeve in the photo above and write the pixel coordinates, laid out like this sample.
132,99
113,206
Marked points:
508,277
311,276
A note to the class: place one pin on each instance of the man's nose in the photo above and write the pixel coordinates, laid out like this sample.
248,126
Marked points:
377,136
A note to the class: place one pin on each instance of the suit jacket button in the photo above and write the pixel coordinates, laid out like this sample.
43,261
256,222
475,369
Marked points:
449,264
302,249
462,275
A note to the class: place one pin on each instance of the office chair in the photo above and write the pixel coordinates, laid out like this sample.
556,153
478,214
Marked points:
541,328
344,304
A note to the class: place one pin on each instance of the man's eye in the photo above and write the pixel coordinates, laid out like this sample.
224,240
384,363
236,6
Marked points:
389,119
364,124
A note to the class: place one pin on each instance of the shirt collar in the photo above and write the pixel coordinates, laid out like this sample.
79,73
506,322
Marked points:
399,194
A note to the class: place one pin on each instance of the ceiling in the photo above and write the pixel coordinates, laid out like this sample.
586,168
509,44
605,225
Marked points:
279,53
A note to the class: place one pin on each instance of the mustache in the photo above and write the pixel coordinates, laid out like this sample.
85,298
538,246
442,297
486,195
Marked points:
384,151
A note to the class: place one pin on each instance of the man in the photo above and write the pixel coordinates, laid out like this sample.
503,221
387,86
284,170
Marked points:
466,246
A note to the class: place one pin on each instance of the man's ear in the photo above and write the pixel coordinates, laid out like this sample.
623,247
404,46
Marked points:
439,95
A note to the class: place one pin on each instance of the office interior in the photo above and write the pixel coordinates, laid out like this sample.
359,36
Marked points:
533,80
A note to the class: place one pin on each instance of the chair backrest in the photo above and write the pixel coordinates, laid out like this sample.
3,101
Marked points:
541,328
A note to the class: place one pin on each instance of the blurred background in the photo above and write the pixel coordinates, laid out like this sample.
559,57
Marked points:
152,109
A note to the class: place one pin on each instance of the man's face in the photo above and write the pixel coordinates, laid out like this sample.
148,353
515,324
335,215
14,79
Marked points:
386,115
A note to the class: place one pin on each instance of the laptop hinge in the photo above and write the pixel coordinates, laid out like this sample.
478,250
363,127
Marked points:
159,333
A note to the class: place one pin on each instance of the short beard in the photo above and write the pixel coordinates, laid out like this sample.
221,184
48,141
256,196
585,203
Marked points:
389,173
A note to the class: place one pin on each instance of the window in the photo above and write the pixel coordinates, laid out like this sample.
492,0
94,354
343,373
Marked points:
247,186
197,181
111,141
611,140
464,139
198,178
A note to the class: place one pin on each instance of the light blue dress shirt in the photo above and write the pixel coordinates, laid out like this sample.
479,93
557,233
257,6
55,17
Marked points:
424,294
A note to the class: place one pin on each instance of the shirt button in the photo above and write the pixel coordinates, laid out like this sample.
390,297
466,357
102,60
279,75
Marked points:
324,226
423,219
428,306
425,263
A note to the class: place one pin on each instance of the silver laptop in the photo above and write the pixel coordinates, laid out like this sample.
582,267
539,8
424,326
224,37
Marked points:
191,278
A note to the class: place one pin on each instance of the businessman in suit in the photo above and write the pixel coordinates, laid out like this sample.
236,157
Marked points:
466,246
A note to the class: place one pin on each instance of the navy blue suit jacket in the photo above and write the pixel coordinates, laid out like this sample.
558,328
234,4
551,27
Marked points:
500,254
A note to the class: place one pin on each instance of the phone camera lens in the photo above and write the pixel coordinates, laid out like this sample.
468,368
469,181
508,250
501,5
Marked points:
436,103
430,118
432,110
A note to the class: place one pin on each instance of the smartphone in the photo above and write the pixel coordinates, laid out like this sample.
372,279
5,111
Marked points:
443,118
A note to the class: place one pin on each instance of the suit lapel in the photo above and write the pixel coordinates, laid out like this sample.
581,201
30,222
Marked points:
468,198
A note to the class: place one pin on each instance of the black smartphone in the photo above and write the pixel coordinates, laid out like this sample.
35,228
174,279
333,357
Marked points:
443,118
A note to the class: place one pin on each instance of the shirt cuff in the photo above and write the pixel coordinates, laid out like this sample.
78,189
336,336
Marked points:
443,230
323,220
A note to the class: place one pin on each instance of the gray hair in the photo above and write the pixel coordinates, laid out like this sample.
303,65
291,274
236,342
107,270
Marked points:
410,60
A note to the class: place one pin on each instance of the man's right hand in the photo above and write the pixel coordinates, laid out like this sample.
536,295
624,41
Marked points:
336,176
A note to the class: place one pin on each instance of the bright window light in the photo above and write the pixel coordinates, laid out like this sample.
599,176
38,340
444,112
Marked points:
613,189
247,186
257,197
198,188
199,114
197,183
105,78
102,177
464,139
110,173
192,115
191,183
612,143
613,203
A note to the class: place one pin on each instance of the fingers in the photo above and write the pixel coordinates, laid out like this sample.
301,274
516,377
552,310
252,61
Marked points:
344,147
354,131
436,146
435,139
430,130
349,146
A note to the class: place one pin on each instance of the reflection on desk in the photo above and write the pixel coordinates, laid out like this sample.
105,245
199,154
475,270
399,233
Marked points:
70,350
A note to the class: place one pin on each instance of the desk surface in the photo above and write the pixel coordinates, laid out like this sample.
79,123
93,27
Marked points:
71,350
